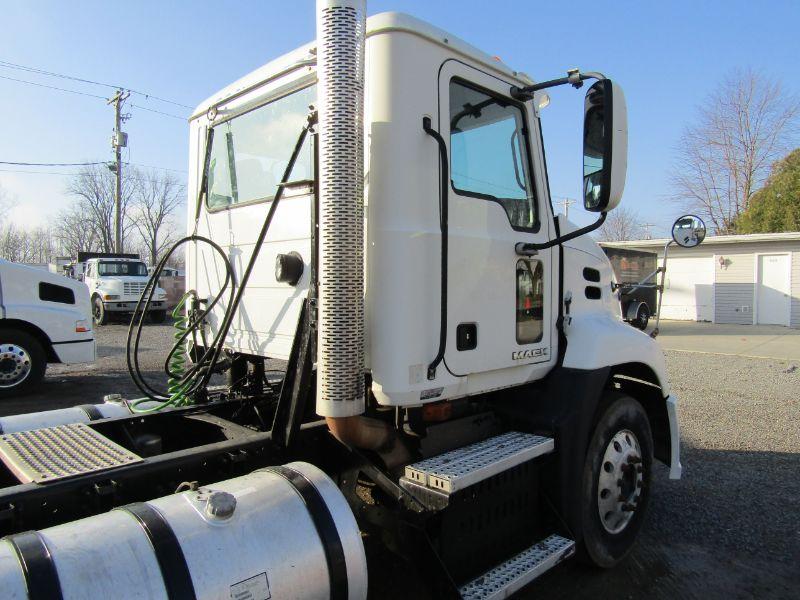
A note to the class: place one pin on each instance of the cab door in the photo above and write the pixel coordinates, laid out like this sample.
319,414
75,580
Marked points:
500,308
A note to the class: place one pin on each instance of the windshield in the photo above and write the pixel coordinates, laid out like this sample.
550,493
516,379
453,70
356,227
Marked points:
249,153
121,268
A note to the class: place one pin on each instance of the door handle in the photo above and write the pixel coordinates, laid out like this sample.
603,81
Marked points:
523,249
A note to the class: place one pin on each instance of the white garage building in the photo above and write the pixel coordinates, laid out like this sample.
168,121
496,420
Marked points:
746,279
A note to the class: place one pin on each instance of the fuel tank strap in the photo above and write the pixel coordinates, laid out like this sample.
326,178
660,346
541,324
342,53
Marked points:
41,578
171,561
91,411
325,525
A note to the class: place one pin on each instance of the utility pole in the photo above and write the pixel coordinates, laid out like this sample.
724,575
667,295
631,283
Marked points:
646,227
566,203
118,142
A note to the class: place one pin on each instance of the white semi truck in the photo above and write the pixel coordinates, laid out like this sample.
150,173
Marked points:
44,318
459,385
116,283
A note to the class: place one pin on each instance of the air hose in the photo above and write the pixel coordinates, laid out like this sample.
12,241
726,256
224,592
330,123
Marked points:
177,364
185,383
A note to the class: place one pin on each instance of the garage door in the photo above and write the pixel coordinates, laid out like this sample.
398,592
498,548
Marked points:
689,289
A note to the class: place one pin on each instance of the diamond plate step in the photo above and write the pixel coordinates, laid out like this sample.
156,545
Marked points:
460,468
52,453
517,572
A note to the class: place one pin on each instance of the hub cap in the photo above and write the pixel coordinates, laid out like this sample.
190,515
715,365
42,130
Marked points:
15,365
619,485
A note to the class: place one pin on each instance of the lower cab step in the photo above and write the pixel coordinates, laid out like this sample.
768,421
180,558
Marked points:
512,575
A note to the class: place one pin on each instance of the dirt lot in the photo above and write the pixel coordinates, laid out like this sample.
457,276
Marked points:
729,529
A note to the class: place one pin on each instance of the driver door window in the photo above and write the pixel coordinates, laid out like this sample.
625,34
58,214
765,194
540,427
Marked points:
488,153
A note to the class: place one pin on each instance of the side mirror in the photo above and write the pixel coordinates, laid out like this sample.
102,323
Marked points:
605,146
689,231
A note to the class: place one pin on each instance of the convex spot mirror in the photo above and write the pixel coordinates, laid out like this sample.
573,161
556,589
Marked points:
605,146
689,231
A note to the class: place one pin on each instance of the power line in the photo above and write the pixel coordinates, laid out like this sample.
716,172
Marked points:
85,164
34,164
155,167
52,87
159,112
11,65
37,172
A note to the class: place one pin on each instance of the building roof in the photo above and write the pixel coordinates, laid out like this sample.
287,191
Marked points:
789,236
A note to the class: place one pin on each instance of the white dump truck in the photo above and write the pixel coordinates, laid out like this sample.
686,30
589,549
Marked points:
116,283
459,389
44,318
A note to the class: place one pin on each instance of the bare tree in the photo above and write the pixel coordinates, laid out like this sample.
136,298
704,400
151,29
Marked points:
10,243
156,199
94,190
74,232
724,157
620,225
5,204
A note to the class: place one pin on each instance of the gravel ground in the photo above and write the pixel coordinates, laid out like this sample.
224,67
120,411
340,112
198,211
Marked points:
729,529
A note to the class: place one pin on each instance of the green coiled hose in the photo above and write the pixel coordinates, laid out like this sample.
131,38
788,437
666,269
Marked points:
176,387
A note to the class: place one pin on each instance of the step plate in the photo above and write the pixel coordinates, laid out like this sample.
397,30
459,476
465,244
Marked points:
460,468
52,453
514,574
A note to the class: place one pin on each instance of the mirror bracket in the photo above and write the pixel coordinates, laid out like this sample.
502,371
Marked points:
574,77
531,249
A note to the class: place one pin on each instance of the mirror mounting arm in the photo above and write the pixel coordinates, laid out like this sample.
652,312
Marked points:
574,77
528,249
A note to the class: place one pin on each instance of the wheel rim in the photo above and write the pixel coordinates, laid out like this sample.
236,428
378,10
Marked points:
643,316
15,365
97,310
619,484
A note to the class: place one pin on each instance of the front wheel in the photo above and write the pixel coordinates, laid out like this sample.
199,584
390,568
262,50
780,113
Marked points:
22,362
616,481
158,316
99,312
642,316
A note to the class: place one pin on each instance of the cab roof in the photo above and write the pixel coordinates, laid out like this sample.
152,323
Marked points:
305,56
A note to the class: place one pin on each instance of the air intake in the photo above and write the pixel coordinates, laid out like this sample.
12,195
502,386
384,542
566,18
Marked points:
340,59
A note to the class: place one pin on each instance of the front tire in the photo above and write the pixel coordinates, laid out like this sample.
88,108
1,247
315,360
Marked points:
99,312
615,487
22,362
642,316
158,316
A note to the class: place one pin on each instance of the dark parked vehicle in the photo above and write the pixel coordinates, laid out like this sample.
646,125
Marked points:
631,267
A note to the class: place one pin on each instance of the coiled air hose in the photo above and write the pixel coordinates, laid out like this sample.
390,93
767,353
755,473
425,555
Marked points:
184,384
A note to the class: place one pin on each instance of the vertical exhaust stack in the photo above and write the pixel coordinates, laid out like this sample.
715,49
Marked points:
340,70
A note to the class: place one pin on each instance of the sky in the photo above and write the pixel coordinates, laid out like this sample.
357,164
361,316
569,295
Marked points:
667,56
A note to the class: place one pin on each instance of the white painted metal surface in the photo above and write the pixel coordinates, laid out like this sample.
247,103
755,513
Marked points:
270,532
59,321
403,240
514,574
462,467
773,289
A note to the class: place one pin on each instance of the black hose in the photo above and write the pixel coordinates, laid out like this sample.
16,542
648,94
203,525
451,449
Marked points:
197,377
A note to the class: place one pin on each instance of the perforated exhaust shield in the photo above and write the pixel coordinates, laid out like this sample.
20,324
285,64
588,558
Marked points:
340,59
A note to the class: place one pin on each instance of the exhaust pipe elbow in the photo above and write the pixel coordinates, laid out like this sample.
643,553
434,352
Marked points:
360,432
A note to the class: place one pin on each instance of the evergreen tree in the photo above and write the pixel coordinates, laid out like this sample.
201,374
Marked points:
776,206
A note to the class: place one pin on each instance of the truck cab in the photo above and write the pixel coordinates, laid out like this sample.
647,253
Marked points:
44,318
116,283
448,277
